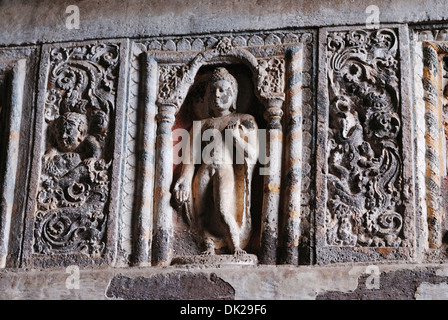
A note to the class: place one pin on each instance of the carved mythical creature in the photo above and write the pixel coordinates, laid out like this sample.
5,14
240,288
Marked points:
364,206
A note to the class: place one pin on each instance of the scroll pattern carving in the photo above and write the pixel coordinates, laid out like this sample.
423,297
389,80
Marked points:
75,176
364,162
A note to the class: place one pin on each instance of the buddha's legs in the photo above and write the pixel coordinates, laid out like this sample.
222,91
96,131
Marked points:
225,204
201,185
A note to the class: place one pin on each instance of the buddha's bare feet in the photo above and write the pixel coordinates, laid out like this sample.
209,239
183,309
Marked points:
209,248
208,252
239,252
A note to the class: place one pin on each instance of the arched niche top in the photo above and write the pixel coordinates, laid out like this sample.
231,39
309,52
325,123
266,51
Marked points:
222,54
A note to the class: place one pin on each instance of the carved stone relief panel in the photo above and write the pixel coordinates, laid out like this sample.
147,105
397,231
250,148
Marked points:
268,70
72,215
17,72
365,189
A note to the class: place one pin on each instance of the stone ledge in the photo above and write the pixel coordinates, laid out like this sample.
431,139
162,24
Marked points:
216,260
355,281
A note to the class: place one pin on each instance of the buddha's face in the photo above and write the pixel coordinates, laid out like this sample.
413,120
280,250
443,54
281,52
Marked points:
70,133
221,97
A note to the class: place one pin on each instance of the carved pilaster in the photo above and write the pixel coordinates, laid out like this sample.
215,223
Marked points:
144,202
162,251
293,154
10,122
434,137
272,181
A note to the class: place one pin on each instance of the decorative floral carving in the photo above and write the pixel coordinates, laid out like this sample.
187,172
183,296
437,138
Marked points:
74,183
271,80
364,162
224,46
169,77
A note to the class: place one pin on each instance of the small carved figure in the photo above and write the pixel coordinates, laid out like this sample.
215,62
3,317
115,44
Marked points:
217,198
72,145
71,135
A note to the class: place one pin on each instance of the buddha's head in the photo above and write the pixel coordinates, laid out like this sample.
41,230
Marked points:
222,92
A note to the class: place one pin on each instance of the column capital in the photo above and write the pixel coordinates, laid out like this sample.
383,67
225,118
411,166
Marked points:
166,112
274,112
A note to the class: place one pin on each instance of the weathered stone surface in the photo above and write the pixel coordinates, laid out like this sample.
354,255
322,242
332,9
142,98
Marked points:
171,286
356,123
394,285
216,260
429,291
38,22
267,282
179,88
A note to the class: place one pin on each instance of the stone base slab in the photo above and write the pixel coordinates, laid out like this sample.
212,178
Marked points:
216,260
381,281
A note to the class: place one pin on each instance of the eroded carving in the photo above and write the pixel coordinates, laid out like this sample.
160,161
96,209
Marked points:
75,176
364,206
271,77
170,78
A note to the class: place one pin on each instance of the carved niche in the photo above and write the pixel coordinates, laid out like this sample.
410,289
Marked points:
73,216
367,180
171,69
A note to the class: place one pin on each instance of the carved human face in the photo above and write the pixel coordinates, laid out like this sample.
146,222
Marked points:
221,97
71,131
